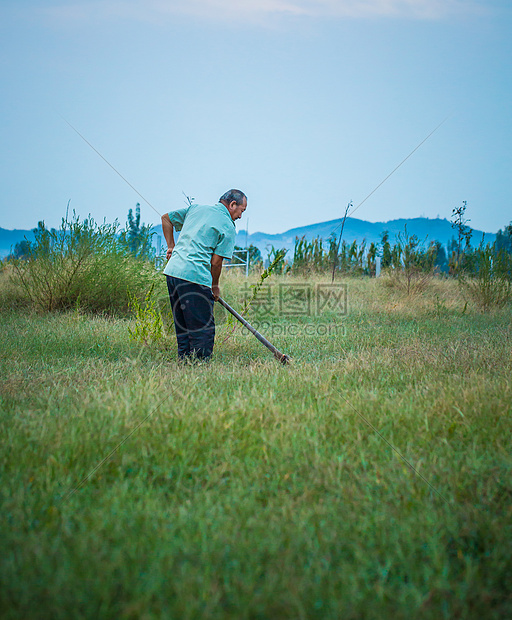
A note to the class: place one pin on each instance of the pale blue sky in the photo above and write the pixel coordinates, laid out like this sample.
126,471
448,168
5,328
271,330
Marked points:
303,104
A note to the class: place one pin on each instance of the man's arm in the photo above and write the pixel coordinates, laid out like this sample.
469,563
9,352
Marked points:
168,230
216,269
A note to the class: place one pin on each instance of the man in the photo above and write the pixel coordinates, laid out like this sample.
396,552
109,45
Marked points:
207,237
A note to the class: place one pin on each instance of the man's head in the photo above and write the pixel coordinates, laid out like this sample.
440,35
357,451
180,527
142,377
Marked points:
235,202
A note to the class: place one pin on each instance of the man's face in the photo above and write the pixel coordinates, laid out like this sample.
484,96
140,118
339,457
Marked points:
237,210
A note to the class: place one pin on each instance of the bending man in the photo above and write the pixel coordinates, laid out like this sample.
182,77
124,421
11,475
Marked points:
207,237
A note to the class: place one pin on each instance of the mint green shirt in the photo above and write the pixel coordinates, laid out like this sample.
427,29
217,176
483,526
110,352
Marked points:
204,230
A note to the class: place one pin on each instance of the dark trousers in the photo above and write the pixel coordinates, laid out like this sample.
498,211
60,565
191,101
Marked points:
192,309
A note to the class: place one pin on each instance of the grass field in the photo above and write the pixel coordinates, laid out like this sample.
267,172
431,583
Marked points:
258,491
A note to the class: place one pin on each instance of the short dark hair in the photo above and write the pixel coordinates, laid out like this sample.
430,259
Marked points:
233,194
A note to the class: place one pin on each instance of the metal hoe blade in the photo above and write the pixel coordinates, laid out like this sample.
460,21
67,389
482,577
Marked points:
281,357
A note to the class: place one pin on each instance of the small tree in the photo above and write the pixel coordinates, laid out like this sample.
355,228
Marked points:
276,260
396,256
464,232
504,239
137,236
441,261
370,260
254,255
21,250
386,250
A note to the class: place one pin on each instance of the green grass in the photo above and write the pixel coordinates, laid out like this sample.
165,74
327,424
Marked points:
255,490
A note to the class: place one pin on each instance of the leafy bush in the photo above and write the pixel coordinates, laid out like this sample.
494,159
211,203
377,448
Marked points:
82,264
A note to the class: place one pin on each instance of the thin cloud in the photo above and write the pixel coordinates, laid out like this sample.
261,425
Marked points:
256,10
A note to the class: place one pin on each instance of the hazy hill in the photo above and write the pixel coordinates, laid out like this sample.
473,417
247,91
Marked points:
9,238
424,228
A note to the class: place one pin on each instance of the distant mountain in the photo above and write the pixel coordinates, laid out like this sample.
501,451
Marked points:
424,228
9,238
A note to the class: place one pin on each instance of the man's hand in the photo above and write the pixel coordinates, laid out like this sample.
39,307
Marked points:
216,291
169,252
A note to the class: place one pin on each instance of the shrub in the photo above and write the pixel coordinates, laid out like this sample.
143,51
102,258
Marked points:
490,280
412,267
81,264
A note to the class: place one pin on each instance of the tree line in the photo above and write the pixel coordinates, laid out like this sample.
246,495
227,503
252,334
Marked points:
405,252
98,267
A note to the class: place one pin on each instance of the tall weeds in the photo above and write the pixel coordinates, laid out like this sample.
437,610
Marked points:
310,257
412,266
83,263
489,283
